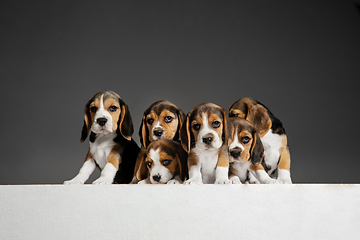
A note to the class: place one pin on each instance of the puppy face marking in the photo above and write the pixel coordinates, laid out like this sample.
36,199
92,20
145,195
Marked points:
207,130
161,126
104,114
240,148
161,166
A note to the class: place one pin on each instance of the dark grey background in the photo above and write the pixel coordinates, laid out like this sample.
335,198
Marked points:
300,58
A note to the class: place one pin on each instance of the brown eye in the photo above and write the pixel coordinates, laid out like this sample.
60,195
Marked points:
113,108
196,127
166,162
216,124
150,121
168,119
93,109
148,164
245,139
234,114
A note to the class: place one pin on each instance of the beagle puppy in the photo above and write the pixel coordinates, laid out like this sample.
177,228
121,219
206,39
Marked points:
112,149
272,133
204,136
163,163
161,120
246,154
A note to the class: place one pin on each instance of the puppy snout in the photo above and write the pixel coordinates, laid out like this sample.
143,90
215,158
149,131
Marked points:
158,132
207,140
157,178
101,121
235,153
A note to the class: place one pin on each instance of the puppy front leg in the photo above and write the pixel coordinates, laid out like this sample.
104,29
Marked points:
232,176
222,175
195,176
222,168
85,171
145,181
253,179
284,164
175,180
108,173
259,172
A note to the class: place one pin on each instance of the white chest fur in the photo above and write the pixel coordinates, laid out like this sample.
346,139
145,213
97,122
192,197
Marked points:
272,143
207,161
101,148
241,169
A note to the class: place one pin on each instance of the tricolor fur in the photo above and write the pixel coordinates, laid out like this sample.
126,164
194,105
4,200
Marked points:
161,120
204,136
272,134
246,154
164,162
108,120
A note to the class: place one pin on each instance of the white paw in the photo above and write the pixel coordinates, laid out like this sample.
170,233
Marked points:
254,181
142,182
285,181
223,181
284,176
235,180
103,181
273,181
73,181
173,181
192,181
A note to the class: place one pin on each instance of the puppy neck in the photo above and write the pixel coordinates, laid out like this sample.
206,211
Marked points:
102,137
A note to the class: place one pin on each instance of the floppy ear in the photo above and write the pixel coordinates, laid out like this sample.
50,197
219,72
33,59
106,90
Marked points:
144,133
181,118
242,105
231,134
142,171
182,162
185,136
226,127
259,117
125,122
257,150
87,123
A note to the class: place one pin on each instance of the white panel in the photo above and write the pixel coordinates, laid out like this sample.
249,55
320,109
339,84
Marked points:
180,212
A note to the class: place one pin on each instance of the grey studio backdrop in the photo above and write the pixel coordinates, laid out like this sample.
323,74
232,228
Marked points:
300,58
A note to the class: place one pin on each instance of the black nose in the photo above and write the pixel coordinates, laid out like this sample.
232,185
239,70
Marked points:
207,140
158,132
157,178
101,121
235,153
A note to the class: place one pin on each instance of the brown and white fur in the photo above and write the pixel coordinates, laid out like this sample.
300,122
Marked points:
204,136
272,133
163,163
246,154
112,149
161,120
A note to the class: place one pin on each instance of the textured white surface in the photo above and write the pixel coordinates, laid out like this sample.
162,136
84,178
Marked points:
180,212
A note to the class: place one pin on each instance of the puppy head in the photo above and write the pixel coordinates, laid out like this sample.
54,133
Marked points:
161,120
253,112
162,161
244,142
107,113
206,127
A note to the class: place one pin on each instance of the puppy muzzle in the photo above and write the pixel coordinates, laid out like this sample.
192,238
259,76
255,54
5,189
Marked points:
235,155
102,125
207,141
158,133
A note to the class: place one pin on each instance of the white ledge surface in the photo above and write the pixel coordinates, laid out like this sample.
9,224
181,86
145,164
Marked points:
312,211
